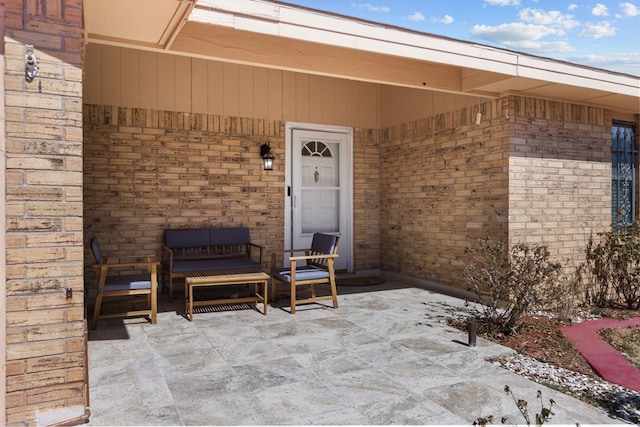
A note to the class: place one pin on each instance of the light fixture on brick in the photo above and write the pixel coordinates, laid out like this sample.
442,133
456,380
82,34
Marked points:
267,157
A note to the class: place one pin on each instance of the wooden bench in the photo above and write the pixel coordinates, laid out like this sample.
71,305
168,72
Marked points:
220,250
206,280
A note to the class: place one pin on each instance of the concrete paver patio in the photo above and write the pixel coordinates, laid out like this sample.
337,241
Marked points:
386,356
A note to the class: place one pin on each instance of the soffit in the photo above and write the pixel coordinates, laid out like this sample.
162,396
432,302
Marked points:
281,36
141,23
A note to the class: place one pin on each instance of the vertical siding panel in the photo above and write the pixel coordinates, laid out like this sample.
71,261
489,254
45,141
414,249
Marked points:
275,94
165,89
261,93
328,92
230,96
302,98
368,109
111,73
215,88
352,99
362,104
340,102
289,96
199,86
148,79
443,101
182,88
246,91
92,84
130,76
315,99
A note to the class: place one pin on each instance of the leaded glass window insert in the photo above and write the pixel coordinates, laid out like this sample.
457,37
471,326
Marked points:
624,158
320,187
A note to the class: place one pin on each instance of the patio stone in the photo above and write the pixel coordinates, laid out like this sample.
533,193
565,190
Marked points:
386,356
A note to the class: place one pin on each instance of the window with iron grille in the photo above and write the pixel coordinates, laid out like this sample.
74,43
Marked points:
624,160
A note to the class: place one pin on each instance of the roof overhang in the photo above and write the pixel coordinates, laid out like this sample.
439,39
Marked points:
282,36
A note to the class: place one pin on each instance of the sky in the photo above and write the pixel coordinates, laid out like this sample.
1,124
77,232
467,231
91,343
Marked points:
602,34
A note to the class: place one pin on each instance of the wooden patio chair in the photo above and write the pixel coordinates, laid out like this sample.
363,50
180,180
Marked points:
313,268
126,283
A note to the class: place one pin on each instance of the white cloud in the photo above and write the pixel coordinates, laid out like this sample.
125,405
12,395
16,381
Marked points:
416,16
572,6
522,36
370,7
553,18
447,19
541,47
600,10
630,9
513,32
596,31
624,62
502,2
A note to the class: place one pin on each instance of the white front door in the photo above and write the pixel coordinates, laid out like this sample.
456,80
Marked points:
319,187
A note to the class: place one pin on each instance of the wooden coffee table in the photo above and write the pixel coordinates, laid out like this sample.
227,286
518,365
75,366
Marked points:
207,279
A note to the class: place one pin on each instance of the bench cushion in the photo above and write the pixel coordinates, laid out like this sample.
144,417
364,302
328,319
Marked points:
218,264
174,239
229,236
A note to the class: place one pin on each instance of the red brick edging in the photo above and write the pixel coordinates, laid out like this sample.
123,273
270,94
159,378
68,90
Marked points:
605,360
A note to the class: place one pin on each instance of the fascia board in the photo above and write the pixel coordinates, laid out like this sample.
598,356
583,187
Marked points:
307,25
564,68
566,74
212,17
318,28
262,10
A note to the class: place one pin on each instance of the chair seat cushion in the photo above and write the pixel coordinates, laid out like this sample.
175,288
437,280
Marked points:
129,282
218,264
303,273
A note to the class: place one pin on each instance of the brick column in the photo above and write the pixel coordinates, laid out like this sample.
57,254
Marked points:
45,351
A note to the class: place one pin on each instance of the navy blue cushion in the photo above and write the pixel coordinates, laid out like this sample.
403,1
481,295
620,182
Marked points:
302,273
95,248
323,243
229,236
186,238
128,282
188,265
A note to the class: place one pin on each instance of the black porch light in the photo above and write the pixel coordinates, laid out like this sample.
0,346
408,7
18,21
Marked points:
267,157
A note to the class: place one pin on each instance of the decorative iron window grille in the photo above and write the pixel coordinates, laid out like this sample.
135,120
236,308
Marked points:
624,160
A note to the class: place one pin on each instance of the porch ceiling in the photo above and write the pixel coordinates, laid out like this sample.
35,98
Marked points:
282,36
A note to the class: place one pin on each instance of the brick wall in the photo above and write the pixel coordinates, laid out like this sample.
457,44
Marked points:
533,171
444,184
45,375
366,199
149,170
559,175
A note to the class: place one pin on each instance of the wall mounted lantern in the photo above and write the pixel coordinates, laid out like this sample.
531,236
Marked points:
267,157
30,63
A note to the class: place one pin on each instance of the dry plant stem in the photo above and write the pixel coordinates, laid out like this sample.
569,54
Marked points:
509,281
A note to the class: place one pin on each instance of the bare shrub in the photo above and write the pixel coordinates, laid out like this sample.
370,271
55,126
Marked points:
614,267
509,281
